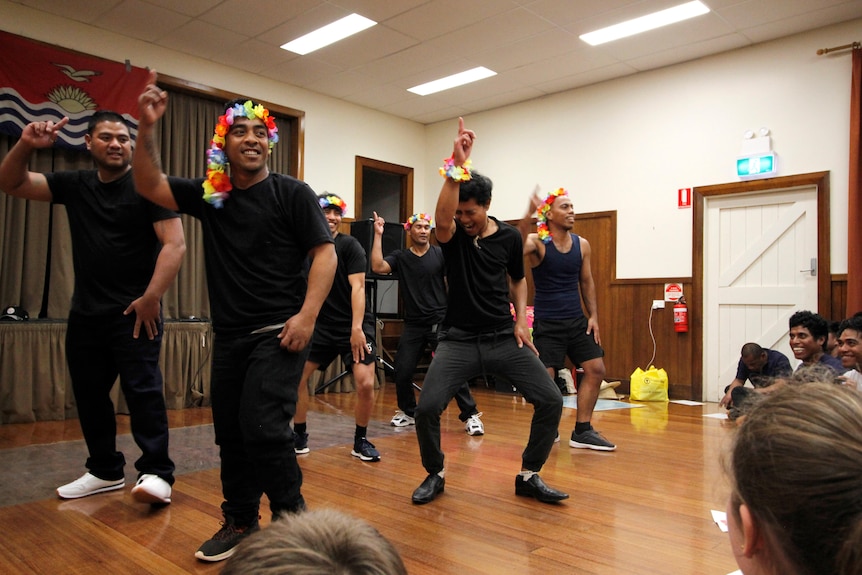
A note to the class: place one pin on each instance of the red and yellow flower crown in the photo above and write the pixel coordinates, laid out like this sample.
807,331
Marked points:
542,214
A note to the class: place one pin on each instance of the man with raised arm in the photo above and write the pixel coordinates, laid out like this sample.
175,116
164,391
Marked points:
422,276
258,229
484,265
126,252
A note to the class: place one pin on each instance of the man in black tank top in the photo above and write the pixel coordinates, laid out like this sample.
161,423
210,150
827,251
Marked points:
561,275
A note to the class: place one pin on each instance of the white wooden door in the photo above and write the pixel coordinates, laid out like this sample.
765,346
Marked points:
759,250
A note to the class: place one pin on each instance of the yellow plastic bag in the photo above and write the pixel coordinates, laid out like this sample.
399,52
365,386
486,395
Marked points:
649,385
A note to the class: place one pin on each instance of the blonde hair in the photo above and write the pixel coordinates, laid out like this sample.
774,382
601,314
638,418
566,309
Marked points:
320,542
796,463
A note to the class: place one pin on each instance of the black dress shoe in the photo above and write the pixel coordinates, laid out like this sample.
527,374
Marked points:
535,487
430,488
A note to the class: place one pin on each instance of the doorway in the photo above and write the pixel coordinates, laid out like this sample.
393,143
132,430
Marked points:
387,189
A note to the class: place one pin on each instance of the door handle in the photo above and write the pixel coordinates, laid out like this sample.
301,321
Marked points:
813,269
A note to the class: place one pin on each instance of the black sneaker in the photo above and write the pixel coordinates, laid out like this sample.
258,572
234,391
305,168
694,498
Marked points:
224,542
591,439
364,450
300,443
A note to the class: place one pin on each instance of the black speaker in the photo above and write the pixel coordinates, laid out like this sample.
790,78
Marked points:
393,238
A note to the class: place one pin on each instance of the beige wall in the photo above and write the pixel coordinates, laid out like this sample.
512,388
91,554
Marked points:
630,144
624,145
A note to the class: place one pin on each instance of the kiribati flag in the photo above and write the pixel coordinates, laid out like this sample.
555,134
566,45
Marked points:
41,82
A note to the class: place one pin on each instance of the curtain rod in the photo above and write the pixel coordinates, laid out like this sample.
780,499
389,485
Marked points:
854,46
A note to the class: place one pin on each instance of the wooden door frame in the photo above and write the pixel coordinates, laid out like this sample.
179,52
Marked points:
405,172
820,180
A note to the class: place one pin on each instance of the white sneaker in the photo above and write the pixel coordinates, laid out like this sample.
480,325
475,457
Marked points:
88,484
474,425
401,419
151,489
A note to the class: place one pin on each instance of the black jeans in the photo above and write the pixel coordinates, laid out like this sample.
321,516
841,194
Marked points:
254,390
461,355
414,339
98,349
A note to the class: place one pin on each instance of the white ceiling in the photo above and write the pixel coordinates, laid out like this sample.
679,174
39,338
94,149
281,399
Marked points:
533,45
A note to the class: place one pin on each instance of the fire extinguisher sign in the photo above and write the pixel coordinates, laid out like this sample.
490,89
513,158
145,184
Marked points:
672,292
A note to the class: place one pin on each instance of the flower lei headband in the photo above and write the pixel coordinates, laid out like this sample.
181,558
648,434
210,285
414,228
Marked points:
217,186
415,218
542,214
333,202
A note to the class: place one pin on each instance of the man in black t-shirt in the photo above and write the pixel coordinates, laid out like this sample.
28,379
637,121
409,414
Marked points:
345,327
484,264
126,252
422,277
258,230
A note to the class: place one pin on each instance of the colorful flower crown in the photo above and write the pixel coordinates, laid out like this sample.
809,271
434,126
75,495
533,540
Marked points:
332,201
217,186
542,214
415,218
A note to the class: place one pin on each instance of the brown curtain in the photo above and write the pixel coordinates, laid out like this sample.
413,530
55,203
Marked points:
854,192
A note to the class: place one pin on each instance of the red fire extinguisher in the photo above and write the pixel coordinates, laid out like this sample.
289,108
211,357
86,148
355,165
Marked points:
680,316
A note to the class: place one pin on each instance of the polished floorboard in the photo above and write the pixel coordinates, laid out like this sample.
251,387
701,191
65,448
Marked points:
643,509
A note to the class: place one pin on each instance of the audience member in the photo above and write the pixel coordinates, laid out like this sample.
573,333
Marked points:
258,229
808,333
562,275
421,274
345,327
796,476
850,350
762,367
322,542
485,264
126,252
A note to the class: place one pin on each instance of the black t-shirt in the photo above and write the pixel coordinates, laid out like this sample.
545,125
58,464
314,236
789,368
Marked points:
423,284
336,315
114,245
478,274
254,247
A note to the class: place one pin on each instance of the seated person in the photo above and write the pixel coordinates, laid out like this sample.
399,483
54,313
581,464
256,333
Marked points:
761,367
850,350
794,506
808,334
324,541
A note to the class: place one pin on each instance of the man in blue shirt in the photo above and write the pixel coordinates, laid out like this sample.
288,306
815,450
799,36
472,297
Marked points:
759,365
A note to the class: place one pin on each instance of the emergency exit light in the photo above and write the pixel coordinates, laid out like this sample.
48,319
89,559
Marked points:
759,166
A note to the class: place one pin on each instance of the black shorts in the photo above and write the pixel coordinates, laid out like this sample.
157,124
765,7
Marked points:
556,339
327,344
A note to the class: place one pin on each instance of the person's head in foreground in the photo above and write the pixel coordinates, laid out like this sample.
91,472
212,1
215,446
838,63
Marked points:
319,542
796,479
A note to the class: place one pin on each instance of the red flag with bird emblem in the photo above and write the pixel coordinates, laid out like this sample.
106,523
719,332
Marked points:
40,82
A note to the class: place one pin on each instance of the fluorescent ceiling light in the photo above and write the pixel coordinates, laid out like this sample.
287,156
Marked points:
452,81
329,34
644,23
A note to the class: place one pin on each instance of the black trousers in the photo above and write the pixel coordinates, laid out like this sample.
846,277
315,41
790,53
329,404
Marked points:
461,355
254,389
414,339
98,349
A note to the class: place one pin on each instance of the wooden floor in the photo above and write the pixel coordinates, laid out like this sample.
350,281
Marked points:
644,509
